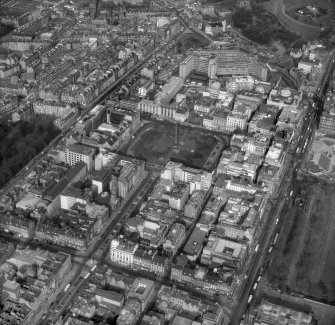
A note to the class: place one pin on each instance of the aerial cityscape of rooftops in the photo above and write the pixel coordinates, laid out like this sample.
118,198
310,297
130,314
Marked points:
167,162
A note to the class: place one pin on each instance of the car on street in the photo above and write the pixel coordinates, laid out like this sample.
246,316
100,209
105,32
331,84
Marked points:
255,286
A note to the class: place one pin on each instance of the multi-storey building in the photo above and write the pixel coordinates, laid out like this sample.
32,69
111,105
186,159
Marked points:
175,237
194,205
199,277
76,152
104,158
149,260
237,185
101,179
91,120
284,98
181,114
219,121
125,181
127,173
271,313
245,170
38,292
238,83
230,62
205,104
143,290
327,119
197,178
64,123
156,108
169,90
82,227
257,145
145,87
138,257
305,66
178,196
17,224
275,154
130,312
263,121
186,66
236,121
231,231
71,196
243,3
195,244
327,124
221,251
122,252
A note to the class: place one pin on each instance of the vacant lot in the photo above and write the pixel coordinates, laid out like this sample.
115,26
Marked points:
303,260
155,143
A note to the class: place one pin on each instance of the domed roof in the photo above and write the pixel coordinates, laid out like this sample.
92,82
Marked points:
114,243
286,92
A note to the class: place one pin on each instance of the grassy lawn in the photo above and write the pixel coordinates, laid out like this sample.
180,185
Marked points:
155,143
303,259
193,41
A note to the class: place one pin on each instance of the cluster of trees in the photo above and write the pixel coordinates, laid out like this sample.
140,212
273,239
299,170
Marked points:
20,142
5,29
192,41
262,27
242,17
327,36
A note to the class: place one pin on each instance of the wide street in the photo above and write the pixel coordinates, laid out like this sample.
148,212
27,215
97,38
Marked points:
283,198
35,161
124,210
328,67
